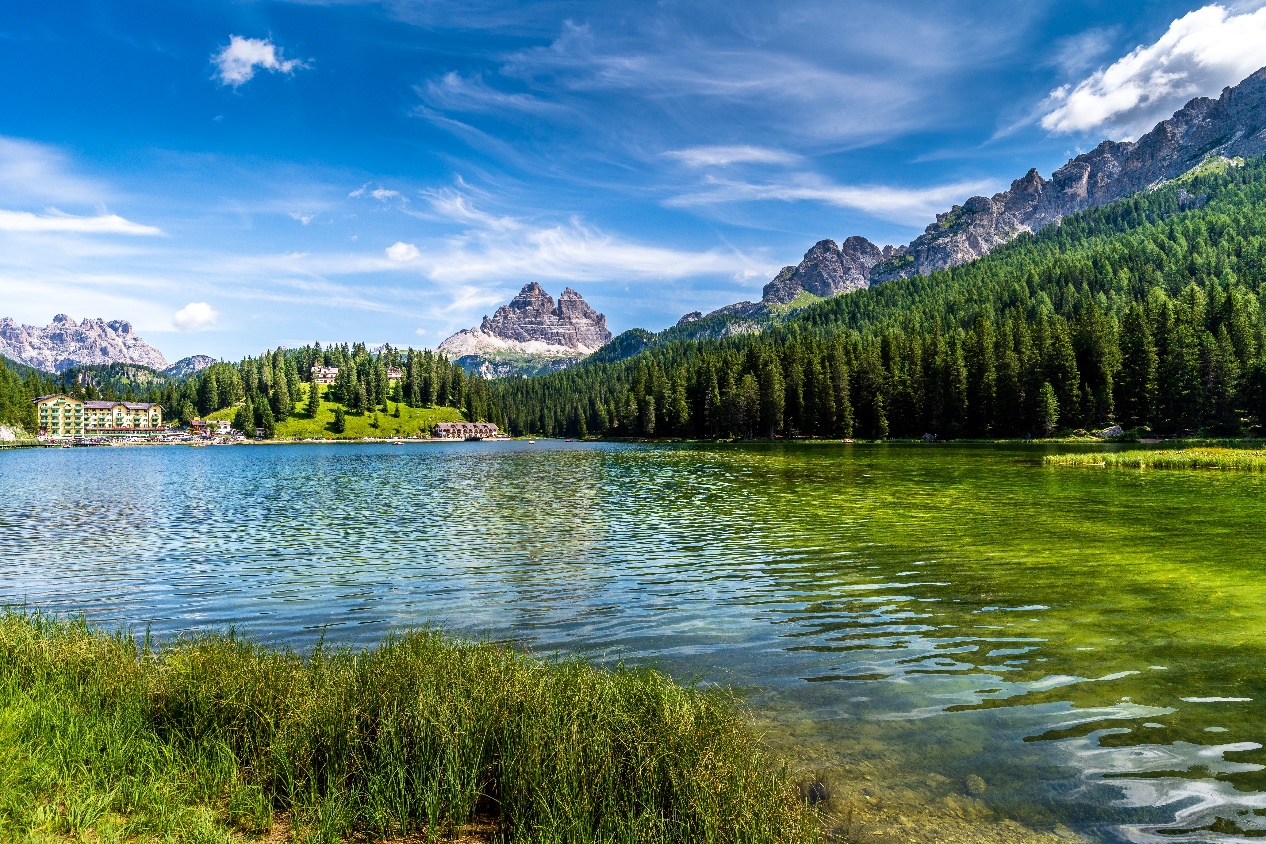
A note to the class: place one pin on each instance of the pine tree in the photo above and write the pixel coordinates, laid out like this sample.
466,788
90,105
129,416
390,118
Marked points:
268,422
314,399
1047,409
339,425
244,419
1136,392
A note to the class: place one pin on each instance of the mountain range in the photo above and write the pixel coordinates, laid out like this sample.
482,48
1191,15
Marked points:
1229,127
66,344
532,336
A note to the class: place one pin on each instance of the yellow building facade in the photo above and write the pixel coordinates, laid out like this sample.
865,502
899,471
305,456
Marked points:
63,417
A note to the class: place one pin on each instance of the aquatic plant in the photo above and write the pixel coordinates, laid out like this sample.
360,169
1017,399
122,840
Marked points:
1190,458
216,737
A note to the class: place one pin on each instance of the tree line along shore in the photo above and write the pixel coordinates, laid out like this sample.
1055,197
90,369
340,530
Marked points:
1146,313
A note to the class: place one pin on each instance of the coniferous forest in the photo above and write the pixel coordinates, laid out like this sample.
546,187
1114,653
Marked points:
1147,313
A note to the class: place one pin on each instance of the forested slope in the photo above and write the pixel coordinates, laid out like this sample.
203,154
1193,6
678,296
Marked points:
1147,312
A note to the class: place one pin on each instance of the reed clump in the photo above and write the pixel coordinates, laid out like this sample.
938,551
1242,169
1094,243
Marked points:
214,738
1234,459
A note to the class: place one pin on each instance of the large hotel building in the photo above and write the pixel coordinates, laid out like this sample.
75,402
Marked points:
63,417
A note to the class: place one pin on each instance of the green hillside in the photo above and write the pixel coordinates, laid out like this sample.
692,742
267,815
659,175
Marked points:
413,421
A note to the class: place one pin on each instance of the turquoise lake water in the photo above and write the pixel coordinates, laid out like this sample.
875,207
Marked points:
1089,642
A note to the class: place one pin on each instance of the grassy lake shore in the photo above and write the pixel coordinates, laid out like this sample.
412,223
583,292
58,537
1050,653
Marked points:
216,739
1195,457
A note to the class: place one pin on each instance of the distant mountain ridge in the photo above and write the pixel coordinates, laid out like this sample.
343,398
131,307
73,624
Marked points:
185,367
530,335
1231,126
65,344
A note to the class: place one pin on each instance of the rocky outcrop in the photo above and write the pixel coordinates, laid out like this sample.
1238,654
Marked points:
827,270
65,344
1230,126
185,367
531,328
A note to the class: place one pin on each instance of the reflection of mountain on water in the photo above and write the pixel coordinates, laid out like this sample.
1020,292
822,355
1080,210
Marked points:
926,614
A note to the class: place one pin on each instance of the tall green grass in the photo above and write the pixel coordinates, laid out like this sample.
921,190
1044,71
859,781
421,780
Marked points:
1244,460
217,738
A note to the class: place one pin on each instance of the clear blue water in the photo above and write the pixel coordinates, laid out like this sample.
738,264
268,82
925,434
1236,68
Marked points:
1088,642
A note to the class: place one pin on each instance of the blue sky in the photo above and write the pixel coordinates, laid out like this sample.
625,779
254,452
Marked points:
235,176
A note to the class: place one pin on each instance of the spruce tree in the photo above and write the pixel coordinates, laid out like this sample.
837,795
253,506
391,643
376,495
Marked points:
314,399
268,422
1136,392
1047,409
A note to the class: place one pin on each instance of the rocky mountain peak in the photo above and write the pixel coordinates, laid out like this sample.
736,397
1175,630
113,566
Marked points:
1232,125
827,270
64,344
533,324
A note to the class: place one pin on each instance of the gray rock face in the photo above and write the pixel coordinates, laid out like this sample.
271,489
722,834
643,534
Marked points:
529,332
185,367
1232,125
827,270
693,316
66,344
531,323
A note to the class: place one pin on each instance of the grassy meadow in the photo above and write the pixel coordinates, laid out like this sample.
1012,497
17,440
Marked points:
413,421
219,739
1233,459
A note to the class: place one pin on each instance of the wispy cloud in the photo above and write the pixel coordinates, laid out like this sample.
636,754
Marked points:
902,205
36,173
454,92
237,62
379,193
26,222
1199,54
721,156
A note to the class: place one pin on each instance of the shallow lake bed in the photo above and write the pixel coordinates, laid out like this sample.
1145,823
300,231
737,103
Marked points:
1080,652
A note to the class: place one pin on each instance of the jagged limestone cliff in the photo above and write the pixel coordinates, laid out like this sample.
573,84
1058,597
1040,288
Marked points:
530,335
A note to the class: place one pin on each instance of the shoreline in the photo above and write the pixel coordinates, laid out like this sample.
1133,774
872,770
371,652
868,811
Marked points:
1185,443
218,736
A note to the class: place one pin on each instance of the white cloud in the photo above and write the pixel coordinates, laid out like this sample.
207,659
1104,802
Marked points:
1201,53
236,64
454,205
379,193
26,222
573,252
720,156
403,253
902,205
196,316
454,92
31,172
299,217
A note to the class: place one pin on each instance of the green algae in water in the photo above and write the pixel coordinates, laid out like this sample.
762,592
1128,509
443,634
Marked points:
1089,644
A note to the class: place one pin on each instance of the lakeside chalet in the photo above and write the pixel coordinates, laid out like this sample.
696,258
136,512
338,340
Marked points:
464,431
324,374
63,417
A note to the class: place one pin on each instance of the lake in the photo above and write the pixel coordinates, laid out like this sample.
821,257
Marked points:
1090,644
